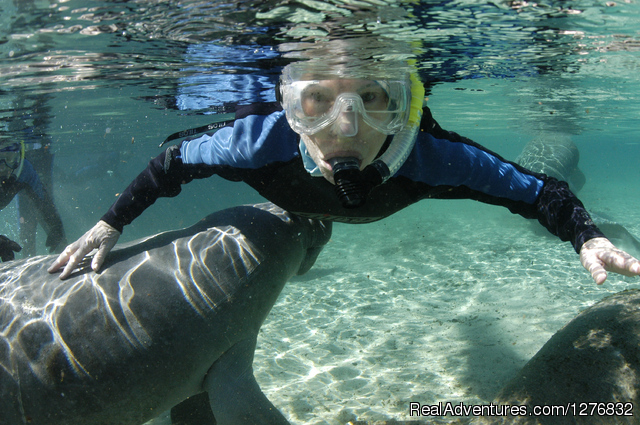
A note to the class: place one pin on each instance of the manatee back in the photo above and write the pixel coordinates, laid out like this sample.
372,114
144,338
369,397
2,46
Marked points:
595,358
552,154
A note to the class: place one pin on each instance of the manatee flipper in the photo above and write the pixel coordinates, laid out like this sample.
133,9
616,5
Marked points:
617,233
193,411
621,236
234,394
309,261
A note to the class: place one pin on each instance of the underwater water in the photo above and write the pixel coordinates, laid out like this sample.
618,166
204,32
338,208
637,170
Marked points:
444,301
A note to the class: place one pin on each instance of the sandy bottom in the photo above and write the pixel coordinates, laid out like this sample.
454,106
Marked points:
443,302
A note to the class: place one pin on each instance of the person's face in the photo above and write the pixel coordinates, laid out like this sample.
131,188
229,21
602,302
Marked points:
349,135
8,163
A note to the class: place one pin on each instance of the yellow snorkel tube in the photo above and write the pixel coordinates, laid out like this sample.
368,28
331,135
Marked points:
390,162
22,153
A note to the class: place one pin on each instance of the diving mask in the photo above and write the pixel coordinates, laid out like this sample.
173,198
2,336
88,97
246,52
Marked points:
313,105
11,158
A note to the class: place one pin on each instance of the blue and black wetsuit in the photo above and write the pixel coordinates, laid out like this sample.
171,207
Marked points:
261,150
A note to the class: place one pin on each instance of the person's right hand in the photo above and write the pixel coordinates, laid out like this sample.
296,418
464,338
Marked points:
102,237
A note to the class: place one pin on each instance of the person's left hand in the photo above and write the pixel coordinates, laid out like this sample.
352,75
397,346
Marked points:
599,255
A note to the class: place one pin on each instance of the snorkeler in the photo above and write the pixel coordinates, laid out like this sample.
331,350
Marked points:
353,145
17,175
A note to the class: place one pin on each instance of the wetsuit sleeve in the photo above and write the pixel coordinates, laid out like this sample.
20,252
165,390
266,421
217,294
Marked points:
254,140
564,215
163,177
454,167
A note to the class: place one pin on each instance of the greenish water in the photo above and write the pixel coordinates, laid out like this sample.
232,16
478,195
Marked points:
102,83
105,82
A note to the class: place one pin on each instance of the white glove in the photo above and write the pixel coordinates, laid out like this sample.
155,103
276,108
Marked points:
102,237
599,255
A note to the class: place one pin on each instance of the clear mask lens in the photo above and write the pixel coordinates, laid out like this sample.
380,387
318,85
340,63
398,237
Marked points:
314,105
10,156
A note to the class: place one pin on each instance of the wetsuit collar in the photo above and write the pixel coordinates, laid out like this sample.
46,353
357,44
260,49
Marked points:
309,164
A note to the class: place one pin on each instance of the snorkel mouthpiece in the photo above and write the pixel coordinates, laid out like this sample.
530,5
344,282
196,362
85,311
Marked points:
351,185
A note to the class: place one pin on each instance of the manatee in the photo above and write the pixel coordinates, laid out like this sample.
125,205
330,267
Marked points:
590,369
555,155
172,317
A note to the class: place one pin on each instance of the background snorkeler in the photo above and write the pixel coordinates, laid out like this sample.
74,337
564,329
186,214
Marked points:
346,118
17,175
